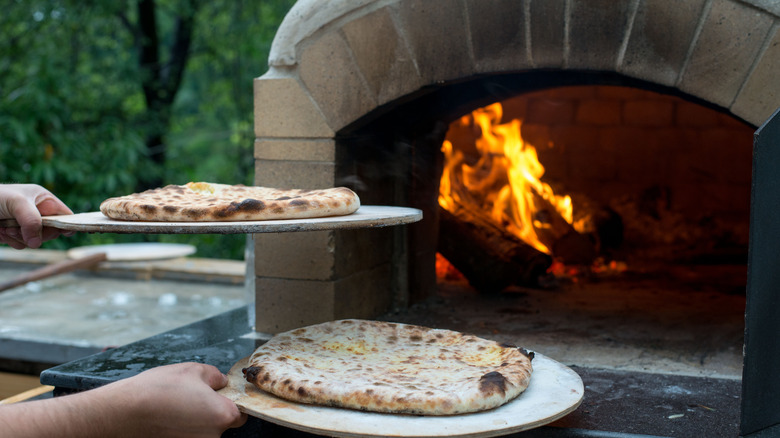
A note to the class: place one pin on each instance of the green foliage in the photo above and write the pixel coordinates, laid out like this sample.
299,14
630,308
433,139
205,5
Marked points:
74,118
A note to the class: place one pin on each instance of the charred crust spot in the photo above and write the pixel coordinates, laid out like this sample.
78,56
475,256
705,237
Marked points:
507,345
149,208
245,206
170,209
415,338
250,373
193,213
492,383
526,353
302,392
251,205
298,203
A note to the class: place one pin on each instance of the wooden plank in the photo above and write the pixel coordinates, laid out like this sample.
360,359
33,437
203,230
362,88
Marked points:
27,395
555,391
366,216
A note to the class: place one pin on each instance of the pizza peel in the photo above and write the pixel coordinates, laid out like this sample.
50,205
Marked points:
367,216
554,391
86,257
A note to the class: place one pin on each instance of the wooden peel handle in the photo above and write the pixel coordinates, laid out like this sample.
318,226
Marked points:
55,269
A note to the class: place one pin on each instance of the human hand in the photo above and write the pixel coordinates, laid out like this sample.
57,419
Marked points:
171,401
27,203
176,401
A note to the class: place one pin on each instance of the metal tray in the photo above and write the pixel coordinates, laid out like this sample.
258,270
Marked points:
367,216
555,391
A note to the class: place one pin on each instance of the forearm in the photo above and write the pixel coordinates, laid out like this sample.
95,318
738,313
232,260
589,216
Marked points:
79,415
170,401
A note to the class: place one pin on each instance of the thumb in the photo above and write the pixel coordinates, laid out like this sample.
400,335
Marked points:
52,206
29,220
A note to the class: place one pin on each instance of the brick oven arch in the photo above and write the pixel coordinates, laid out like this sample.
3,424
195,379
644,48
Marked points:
337,65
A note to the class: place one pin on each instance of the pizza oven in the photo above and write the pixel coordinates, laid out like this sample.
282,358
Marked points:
364,94
637,109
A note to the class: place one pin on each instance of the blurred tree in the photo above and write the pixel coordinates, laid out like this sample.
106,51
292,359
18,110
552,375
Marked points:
99,98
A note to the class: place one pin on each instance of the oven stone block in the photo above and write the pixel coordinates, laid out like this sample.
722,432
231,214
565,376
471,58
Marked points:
285,304
660,39
321,255
756,101
598,24
648,113
724,52
284,109
382,55
296,149
599,112
295,174
506,47
548,33
434,32
342,94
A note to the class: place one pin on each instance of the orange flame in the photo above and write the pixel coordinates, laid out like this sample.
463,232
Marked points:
505,180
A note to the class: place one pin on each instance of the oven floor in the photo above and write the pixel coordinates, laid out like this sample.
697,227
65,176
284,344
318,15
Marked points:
683,320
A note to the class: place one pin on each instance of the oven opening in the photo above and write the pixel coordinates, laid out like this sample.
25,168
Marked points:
583,183
604,225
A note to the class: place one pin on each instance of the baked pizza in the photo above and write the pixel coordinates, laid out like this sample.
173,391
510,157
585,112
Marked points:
389,367
209,202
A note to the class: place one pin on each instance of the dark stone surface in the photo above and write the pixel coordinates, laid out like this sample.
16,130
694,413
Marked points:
616,403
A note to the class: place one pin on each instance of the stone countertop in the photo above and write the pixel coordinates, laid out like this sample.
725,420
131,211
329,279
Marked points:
65,317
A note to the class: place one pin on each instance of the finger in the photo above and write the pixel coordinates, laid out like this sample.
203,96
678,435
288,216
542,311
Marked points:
52,206
12,237
240,420
50,233
30,225
214,377
13,243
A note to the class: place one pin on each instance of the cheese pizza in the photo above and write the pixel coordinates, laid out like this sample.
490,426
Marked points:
390,367
209,202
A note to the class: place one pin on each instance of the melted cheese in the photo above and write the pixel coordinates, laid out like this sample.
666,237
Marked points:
201,188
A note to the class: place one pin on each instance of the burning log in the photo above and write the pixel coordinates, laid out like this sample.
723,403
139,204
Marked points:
488,256
565,243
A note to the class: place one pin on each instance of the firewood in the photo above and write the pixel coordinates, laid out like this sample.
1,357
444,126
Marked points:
488,256
565,243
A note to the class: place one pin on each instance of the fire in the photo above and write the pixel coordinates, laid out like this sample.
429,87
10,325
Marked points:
505,179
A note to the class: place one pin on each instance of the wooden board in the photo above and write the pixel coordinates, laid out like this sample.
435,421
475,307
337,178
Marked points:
366,216
133,252
555,391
